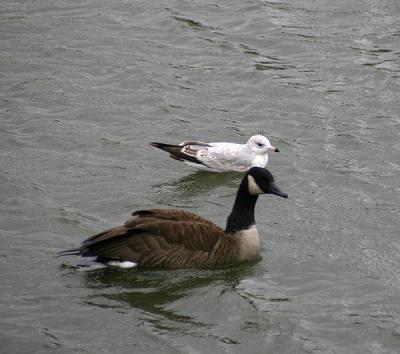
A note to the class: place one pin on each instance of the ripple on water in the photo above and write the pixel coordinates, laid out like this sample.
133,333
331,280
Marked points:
86,86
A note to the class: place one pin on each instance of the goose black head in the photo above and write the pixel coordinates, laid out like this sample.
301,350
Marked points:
261,181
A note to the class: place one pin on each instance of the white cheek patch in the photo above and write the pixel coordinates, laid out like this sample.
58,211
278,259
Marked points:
254,189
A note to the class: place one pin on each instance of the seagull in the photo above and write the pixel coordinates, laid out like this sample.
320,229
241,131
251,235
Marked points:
221,156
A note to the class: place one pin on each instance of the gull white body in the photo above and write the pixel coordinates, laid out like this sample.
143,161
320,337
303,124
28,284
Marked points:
222,156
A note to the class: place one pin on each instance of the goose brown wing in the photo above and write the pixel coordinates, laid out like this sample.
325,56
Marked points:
166,238
144,216
140,218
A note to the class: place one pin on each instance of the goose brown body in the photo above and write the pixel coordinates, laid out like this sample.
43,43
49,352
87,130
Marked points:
172,238
165,239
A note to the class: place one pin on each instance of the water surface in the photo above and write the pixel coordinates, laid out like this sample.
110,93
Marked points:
85,85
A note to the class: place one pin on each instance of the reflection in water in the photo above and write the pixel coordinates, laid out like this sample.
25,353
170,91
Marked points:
181,190
321,75
155,291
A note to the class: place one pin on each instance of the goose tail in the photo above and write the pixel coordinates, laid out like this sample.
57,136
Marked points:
70,252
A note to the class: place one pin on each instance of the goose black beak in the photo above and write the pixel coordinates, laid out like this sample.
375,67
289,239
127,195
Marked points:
275,190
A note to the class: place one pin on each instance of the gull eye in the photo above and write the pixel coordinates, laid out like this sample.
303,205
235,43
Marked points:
260,144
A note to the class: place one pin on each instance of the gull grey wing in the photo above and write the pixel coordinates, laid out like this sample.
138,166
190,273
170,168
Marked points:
225,157
186,151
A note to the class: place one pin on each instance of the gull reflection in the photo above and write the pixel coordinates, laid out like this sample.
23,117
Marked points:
200,182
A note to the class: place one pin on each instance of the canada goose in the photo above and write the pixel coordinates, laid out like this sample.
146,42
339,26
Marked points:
221,157
171,238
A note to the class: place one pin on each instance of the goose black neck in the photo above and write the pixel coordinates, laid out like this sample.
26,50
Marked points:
242,215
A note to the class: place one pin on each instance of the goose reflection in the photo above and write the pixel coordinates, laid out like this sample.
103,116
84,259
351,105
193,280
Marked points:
155,291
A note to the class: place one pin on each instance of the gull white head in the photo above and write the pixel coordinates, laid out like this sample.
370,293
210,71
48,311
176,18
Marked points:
259,144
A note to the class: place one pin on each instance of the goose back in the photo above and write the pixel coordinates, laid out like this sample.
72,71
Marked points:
166,239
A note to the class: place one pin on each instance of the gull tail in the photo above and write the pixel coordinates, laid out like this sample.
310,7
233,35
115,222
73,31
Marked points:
171,148
178,152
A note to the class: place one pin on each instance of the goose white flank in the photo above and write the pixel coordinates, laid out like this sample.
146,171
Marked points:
221,156
172,238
